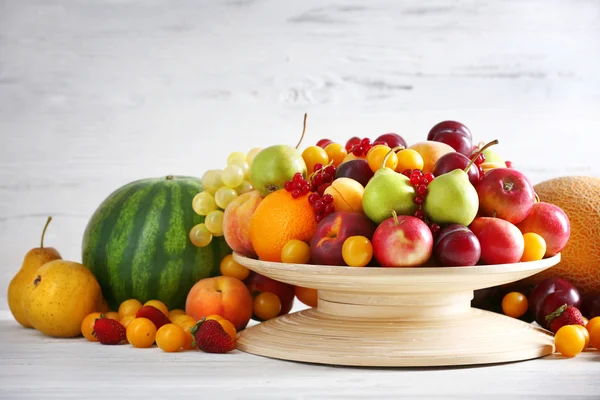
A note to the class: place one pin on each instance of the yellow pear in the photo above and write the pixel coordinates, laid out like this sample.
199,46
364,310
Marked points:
59,297
33,260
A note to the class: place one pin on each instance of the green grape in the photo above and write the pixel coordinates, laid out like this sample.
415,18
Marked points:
214,222
224,196
235,157
200,236
211,180
245,187
232,176
251,154
244,167
203,203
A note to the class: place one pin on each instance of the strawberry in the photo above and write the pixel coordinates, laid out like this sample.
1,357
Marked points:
109,331
564,315
153,314
210,337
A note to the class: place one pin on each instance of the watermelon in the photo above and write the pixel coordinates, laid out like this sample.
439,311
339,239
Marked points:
137,243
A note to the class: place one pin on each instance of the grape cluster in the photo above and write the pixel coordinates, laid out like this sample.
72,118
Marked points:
420,181
221,187
360,147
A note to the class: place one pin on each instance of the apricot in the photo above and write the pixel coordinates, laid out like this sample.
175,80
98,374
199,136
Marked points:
347,195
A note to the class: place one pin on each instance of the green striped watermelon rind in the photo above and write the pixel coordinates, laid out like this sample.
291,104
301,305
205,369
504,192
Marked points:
137,242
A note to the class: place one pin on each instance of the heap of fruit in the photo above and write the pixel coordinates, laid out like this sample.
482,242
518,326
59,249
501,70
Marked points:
440,202
159,250
555,304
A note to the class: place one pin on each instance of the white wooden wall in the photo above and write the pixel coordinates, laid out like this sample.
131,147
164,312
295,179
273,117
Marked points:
94,94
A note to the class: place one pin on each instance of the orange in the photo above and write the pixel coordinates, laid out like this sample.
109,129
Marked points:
579,198
87,326
431,152
278,219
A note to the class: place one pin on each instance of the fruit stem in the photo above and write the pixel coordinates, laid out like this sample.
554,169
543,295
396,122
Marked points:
44,232
303,131
537,198
493,142
395,216
389,153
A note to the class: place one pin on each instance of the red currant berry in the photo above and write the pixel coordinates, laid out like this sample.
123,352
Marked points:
298,185
322,187
422,190
298,177
429,176
295,193
328,199
415,180
357,150
313,198
289,186
351,143
434,228
365,142
305,188
419,200
319,206
317,167
480,159
318,217
407,173
330,170
329,208
327,178
420,214
318,180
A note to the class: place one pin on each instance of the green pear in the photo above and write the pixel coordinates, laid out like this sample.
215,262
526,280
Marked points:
451,199
388,191
274,166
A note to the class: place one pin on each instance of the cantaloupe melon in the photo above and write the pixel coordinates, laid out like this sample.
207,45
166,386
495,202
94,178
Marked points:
579,197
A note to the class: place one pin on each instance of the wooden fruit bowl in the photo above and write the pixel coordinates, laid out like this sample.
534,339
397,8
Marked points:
396,317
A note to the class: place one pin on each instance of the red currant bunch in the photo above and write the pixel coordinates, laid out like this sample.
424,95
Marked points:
478,161
321,178
322,205
420,181
298,186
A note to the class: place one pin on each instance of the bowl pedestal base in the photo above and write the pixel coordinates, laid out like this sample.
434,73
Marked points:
396,330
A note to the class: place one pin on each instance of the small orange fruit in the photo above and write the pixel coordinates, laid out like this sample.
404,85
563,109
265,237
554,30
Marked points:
112,315
158,304
129,307
87,326
170,338
278,219
431,151
227,326
127,319
307,296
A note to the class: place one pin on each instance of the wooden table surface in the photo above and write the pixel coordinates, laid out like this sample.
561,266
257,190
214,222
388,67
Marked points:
95,94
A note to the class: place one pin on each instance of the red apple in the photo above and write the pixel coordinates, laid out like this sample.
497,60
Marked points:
332,231
551,223
505,193
501,242
257,283
402,241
